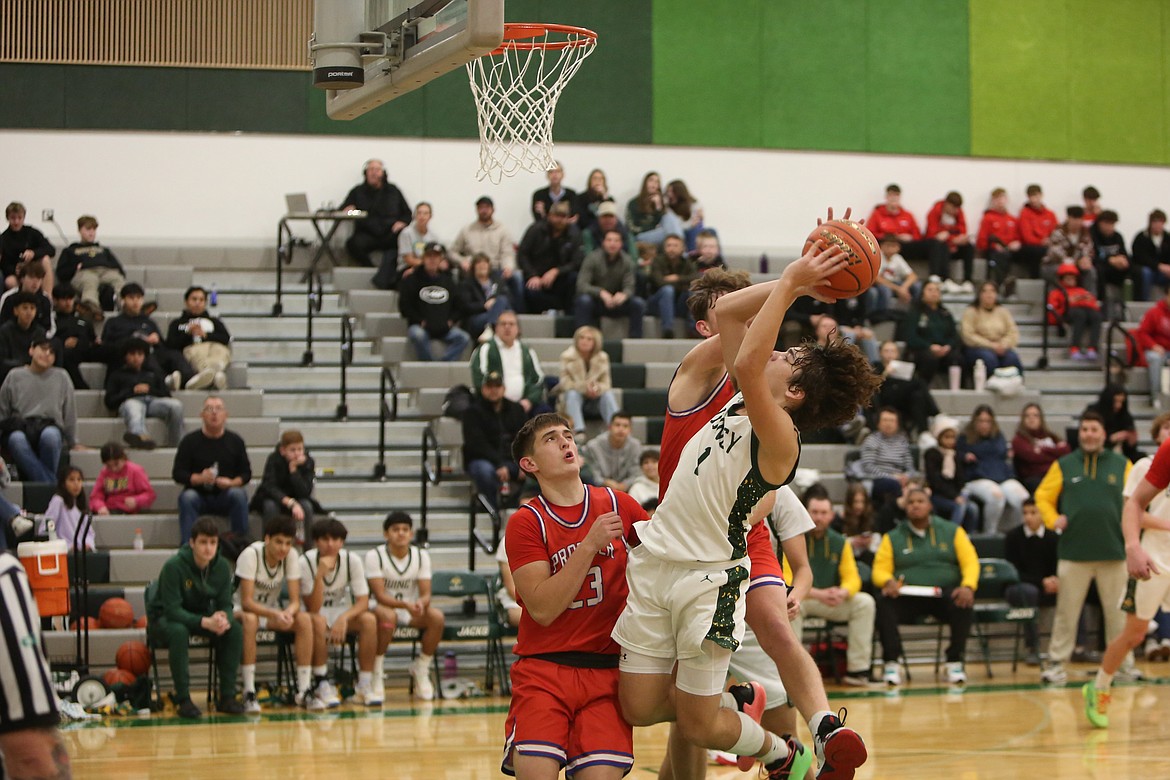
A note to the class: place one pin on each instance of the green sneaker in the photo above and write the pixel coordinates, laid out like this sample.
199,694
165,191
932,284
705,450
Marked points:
795,765
1096,705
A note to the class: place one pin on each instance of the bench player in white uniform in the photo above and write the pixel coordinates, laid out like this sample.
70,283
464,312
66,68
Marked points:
689,575
399,574
263,569
337,595
1147,509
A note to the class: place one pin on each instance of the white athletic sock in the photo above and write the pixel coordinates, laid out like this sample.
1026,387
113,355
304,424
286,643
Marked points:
777,751
248,671
321,671
424,660
728,701
814,723
304,678
365,679
751,737
1103,682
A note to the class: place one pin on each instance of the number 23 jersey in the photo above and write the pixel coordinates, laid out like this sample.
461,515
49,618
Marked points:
540,531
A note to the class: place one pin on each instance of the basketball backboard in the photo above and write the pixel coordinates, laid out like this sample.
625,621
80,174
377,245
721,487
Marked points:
368,52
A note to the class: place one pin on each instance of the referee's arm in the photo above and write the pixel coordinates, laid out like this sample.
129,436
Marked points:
30,745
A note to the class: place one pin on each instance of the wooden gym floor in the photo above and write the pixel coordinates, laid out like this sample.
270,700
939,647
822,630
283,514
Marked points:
1007,727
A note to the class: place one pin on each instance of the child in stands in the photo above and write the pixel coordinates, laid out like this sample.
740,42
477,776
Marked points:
67,507
1080,309
122,486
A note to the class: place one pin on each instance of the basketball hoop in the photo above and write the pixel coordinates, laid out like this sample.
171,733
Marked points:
516,88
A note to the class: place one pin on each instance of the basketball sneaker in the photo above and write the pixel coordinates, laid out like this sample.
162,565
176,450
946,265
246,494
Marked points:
189,710
421,674
251,703
232,706
1096,705
839,749
750,699
955,673
795,765
367,695
1054,673
327,693
310,701
892,674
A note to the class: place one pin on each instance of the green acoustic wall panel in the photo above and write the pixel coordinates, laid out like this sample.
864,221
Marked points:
32,96
258,101
104,98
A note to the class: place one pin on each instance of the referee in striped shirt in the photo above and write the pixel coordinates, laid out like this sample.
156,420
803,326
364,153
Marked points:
30,744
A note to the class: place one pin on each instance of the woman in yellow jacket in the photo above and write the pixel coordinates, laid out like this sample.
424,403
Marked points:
585,385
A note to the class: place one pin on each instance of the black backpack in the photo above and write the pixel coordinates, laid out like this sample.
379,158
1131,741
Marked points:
457,401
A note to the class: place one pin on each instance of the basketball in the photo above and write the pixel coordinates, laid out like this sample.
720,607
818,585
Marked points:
116,613
91,623
140,622
116,676
133,657
861,251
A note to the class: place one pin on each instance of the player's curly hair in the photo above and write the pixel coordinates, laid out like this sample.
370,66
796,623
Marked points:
836,379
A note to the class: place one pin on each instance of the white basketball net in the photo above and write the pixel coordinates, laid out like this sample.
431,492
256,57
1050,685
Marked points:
516,89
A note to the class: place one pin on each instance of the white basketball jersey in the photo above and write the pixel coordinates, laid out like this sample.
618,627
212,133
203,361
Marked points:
400,576
251,565
347,582
1154,541
703,516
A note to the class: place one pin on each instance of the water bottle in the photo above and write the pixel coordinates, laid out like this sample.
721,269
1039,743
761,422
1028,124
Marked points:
1127,290
215,470
213,298
1164,384
980,375
139,542
764,263
450,666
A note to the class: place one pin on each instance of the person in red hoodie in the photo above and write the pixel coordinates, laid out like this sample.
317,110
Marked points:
122,487
947,224
999,241
1037,222
1080,309
890,218
1153,337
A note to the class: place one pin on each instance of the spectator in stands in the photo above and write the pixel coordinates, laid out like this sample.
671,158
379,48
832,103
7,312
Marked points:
1070,242
38,416
932,339
203,339
895,279
482,298
925,551
1079,307
852,318
486,236
508,356
489,425
74,334
644,211
18,334
991,480
886,459
890,218
1087,485
909,397
1035,447
613,458
1120,430
836,590
1036,222
683,217
387,214
1031,548
708,255
605,221
989,331
827,329
1111,259
1151,254
946,476
87,265
546,197
644,488
605,287
671,274
135,393
590,199
263,570
856,524
550,255
133,322
21,243
122,486
290,475
946,223
999,240
30,278
428,302
1153,338
399,573
194,597
1092,199
507,592
585,387
212,466
67,506
412,241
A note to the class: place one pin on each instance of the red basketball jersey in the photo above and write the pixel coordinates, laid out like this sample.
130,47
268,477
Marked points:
540,531
680,427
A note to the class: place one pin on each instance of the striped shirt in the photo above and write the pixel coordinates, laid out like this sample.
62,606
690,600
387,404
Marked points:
26,690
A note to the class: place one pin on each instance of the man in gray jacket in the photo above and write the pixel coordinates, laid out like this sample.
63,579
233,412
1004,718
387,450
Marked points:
37,414
605,286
